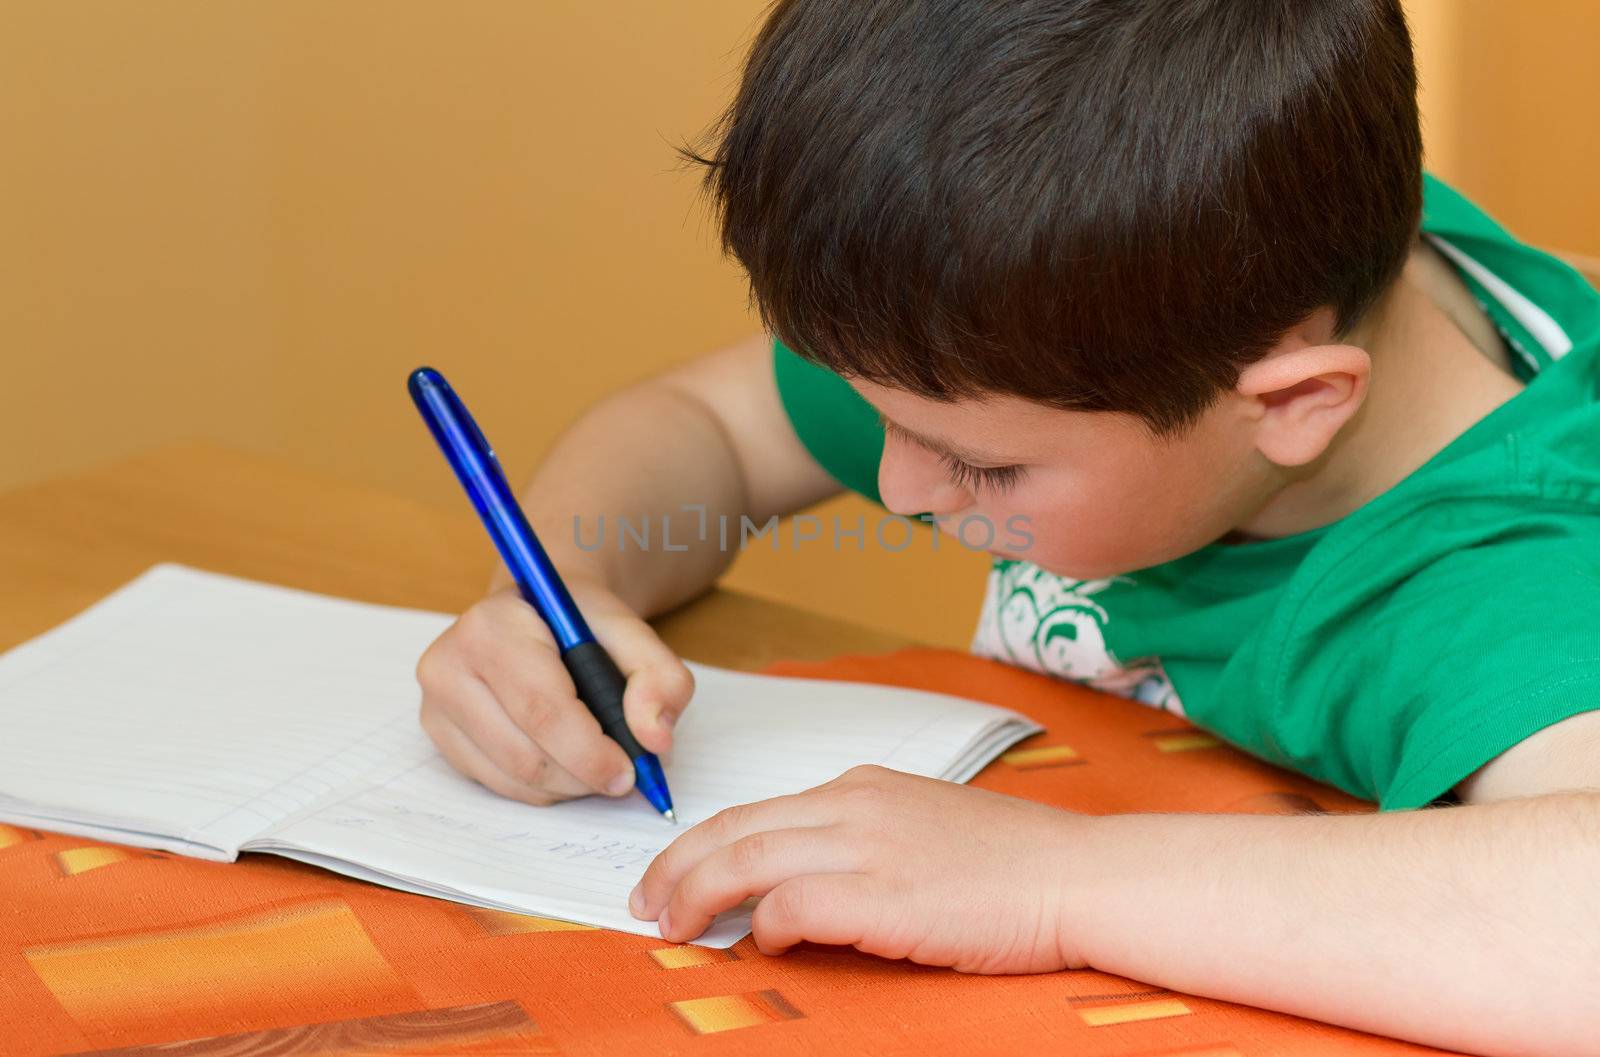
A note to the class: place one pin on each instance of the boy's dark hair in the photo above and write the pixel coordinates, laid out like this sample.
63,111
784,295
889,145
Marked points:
1105,205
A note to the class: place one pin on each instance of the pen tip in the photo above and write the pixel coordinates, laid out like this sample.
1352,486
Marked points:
670,816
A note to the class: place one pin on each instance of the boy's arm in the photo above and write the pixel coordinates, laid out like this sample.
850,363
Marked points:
1474,927
710,433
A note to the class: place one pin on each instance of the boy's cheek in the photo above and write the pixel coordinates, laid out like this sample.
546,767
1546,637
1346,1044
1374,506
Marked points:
1131,516
1084,540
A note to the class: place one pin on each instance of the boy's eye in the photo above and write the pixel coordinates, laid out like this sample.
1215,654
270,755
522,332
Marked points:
990,478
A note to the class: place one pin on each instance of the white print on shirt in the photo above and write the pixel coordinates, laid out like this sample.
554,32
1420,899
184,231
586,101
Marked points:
1038,620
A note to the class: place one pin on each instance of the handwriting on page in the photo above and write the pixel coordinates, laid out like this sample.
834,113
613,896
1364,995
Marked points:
618,854
594,847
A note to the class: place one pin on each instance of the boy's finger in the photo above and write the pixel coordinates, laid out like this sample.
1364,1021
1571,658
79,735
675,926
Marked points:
718,831
479,717
752,866
460,752
837,909
534,689
659,686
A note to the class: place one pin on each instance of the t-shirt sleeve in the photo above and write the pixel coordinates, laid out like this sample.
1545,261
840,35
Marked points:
838,428
1475,653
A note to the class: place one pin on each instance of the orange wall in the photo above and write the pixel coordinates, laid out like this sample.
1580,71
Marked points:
258,216
1509,93
248,220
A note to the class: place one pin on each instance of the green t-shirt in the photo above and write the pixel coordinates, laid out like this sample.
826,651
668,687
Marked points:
1391,653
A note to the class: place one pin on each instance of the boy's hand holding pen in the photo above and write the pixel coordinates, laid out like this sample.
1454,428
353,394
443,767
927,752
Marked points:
519,693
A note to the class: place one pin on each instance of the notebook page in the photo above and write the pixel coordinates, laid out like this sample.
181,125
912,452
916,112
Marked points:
744,738
193,709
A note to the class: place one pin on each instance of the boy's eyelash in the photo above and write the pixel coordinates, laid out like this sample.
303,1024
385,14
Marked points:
992,478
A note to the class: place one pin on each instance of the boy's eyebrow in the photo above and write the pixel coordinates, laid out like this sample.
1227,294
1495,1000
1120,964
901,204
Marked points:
935,446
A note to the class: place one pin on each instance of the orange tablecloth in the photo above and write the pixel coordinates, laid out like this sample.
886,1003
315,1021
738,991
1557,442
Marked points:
108,949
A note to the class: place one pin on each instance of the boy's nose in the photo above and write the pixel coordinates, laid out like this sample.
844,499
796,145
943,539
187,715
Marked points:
912,481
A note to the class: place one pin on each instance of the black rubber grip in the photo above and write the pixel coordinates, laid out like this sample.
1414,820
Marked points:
600,685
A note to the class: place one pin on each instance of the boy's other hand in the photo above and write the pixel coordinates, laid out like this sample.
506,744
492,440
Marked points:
501,707
891,863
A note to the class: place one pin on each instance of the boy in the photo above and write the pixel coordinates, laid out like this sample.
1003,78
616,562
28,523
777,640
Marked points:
1151,276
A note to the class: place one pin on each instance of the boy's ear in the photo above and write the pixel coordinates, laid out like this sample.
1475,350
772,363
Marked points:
1304,391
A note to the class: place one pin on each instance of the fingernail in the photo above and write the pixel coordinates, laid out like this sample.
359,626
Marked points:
620,784
665,926
636,901
666,719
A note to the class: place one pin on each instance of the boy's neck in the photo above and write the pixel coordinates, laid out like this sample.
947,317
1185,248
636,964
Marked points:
1430,383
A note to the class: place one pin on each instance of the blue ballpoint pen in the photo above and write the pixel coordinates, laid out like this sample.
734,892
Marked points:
595,675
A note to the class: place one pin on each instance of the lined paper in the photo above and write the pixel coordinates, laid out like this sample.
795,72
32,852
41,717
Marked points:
204,706
207,714
744,738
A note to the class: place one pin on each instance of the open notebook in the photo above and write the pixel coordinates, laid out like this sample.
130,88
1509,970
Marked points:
210,715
